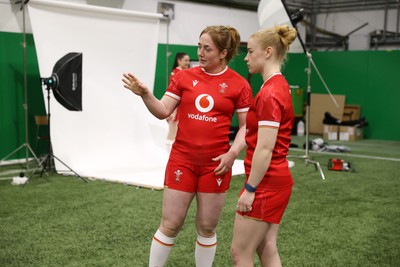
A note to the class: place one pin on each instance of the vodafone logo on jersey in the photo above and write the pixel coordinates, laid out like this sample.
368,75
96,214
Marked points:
204,103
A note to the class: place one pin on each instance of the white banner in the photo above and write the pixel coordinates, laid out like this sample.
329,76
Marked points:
114,137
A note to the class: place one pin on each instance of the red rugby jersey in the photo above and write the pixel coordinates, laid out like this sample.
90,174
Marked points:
175,71
272,106
207,104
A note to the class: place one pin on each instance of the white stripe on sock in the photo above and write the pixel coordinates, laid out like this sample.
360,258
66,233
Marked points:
207,241
160,237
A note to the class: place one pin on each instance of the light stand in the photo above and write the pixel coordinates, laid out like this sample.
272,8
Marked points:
168,12
48,160
294,19
26,144
306,157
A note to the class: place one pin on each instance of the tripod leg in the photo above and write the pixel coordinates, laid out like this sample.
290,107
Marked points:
33,154
70,169
36,169
16,150
46,161
320,171
9,155
317,167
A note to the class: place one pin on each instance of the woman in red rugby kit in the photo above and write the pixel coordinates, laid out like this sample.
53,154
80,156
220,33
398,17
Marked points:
181,62
201,157
268,184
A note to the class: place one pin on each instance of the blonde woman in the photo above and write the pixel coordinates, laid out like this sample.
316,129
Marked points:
268,184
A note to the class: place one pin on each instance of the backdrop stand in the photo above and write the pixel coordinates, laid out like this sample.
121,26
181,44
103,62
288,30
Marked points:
26,144
48,161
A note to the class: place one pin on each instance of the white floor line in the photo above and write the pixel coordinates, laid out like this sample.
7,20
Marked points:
346,154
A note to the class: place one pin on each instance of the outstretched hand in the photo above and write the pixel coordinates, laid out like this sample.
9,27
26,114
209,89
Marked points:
133,84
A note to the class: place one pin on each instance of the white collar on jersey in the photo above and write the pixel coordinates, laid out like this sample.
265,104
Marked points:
215,74
272,75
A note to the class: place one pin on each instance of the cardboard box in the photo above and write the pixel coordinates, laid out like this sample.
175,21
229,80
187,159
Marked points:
342,133
331,132
321,103
350,133
351,112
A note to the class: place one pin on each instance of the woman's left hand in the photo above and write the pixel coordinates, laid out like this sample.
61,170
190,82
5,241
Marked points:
226,163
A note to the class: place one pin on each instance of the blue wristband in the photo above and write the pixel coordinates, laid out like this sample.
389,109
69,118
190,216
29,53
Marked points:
250,188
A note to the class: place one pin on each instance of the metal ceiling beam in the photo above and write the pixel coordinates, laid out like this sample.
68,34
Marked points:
250,5
342,6
321,6
312,8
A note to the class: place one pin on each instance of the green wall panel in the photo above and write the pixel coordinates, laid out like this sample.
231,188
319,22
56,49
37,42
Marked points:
162,71
367,78
12,95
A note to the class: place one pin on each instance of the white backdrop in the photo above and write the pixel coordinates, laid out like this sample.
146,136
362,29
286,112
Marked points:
114,137
271,13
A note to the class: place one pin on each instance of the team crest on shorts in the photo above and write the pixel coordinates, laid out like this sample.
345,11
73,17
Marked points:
178,174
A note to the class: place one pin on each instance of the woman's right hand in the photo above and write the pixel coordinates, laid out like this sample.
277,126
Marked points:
133,84
245,202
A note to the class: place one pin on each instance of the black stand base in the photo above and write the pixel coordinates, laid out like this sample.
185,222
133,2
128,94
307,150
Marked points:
48,160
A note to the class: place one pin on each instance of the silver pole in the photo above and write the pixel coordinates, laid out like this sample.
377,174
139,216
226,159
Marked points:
26,144
306,156
25,84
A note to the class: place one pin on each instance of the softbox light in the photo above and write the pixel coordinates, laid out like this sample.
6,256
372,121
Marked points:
66,81
273,12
